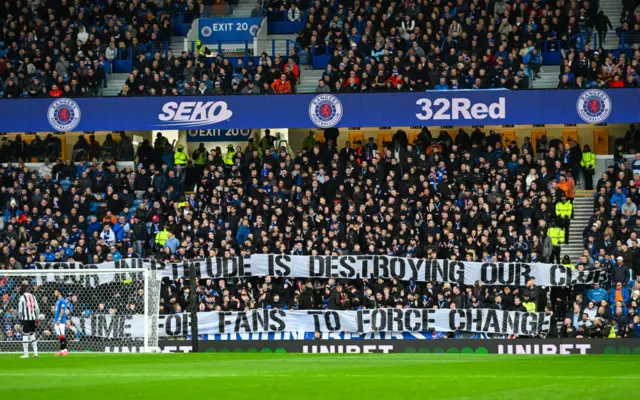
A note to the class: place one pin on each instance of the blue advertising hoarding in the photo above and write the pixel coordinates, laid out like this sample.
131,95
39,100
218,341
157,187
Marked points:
435,108
215,30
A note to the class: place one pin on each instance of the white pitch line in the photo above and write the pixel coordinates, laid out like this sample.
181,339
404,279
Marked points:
294,376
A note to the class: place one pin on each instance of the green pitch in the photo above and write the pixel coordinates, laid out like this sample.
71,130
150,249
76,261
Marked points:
299,376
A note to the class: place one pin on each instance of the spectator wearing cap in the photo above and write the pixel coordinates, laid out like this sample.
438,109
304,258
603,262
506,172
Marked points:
620,272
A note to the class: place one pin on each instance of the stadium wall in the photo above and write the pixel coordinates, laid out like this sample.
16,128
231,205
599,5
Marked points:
459,346
453,346
437,108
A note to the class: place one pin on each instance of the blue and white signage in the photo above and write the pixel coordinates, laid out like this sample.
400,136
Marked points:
218,135
434,108
215,30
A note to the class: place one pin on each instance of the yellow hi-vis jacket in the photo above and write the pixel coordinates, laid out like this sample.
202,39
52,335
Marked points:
180,158
162,237
588,160
557,235
228,158
564,209
529,305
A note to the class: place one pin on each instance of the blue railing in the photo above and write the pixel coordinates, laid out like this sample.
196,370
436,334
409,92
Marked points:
185,17
246,48
126,58
552,49
628,39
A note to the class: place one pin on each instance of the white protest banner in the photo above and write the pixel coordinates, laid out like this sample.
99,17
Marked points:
360,321
357,267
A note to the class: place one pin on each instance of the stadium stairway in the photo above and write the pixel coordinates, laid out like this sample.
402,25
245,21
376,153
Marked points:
309,80
582,211
548,78
115,84
243,9
613,10
178,45
266,45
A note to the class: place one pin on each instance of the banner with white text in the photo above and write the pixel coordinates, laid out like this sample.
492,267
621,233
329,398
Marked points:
343,267
362,321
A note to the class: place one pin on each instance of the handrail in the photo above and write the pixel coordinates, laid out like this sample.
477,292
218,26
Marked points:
628,39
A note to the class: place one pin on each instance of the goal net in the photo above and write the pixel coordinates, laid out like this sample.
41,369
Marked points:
108,310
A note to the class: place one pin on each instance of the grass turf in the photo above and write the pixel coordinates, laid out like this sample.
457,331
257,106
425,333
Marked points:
303,376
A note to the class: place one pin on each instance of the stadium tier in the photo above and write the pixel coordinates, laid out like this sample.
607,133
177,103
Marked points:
425,234
186,47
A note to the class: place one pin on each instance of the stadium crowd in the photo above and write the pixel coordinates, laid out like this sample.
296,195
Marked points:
191,74
467,198
65,48
418,45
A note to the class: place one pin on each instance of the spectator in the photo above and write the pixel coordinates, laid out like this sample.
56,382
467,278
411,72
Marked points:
111,52
281,86
293,14
603,23
258,11
322,88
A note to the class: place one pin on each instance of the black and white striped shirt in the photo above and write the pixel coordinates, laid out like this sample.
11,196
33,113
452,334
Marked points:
28,307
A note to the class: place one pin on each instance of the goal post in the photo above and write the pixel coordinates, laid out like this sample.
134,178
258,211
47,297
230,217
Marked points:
109,310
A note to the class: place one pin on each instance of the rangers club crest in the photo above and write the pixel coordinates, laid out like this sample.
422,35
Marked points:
206,31
64,115
325,111
594,106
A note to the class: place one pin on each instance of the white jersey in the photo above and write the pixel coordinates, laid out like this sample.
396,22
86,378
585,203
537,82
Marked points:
28,308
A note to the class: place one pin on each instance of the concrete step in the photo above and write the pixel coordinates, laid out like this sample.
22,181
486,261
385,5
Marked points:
243,9
115,84
309,81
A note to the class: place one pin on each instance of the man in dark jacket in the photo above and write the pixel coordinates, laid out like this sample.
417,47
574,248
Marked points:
603,23
571,160
139,236
145,153
335,300
125,148
620,272
307,299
